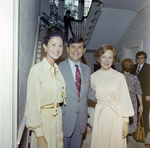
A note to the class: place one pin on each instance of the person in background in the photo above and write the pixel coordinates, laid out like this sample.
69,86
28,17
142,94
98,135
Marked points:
46,89
135,91
114,106
142,71
77,78
67,23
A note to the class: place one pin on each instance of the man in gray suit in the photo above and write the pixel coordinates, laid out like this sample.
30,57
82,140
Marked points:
75,111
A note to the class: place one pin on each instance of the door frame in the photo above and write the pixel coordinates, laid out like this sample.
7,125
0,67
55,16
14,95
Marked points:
9,14
128,47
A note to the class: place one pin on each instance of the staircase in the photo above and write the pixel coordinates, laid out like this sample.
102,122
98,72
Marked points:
84,27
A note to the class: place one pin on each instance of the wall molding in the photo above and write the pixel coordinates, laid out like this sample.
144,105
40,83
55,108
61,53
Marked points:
143,8
128,47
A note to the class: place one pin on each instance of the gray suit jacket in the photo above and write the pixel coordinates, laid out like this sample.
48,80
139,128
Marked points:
75,106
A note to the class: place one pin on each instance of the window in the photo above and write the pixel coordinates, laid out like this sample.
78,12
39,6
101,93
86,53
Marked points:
72,5
87,5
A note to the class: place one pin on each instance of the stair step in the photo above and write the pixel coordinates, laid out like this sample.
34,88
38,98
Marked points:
93,20
38,60
39,42
39,46
90,27
38,50
100,3
38,56
96,12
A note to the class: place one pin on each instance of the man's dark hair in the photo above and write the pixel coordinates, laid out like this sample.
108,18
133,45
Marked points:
68,11
141,53
76,39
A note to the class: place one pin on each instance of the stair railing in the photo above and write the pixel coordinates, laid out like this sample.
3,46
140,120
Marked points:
85,26
79,27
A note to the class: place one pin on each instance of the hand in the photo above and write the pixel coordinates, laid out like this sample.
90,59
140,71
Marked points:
147,98
140,108
125,129
41,142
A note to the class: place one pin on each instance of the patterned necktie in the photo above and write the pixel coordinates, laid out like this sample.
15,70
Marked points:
138,70
78,80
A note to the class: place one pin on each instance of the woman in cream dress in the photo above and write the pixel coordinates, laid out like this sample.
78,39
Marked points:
114,106
45,90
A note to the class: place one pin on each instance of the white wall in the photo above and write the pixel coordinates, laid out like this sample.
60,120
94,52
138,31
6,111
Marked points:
138,30
89,57
28,26
9,70
45,6
110,26
18,28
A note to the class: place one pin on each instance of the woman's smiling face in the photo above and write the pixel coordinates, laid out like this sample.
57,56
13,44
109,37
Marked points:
54,48
106,60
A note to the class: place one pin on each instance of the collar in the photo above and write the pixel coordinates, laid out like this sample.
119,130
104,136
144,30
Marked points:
140,65
72,65
48,67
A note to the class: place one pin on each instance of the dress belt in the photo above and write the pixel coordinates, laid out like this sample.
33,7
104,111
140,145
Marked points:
51,106
114,105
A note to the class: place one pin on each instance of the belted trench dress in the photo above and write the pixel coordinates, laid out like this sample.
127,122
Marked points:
45,91
113,107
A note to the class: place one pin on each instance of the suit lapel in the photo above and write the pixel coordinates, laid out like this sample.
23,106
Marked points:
142,69
70,79
83,79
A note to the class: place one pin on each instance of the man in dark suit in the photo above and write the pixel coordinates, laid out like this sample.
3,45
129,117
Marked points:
77,78
142,70
67,24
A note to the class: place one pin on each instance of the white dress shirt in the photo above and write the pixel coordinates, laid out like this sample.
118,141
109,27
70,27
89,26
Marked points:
140,66
73,68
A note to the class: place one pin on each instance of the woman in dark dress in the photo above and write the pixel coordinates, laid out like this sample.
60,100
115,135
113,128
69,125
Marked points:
135,92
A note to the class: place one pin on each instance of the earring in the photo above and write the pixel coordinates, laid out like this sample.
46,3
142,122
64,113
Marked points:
45,52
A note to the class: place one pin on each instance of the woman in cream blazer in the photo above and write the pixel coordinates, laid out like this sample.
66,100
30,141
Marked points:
45,90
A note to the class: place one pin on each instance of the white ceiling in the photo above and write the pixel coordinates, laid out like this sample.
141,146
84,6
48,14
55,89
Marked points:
126,4
114,20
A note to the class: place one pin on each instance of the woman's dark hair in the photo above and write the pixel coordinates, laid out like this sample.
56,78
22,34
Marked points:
141,53
127,65
76,39
102,50
53,34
